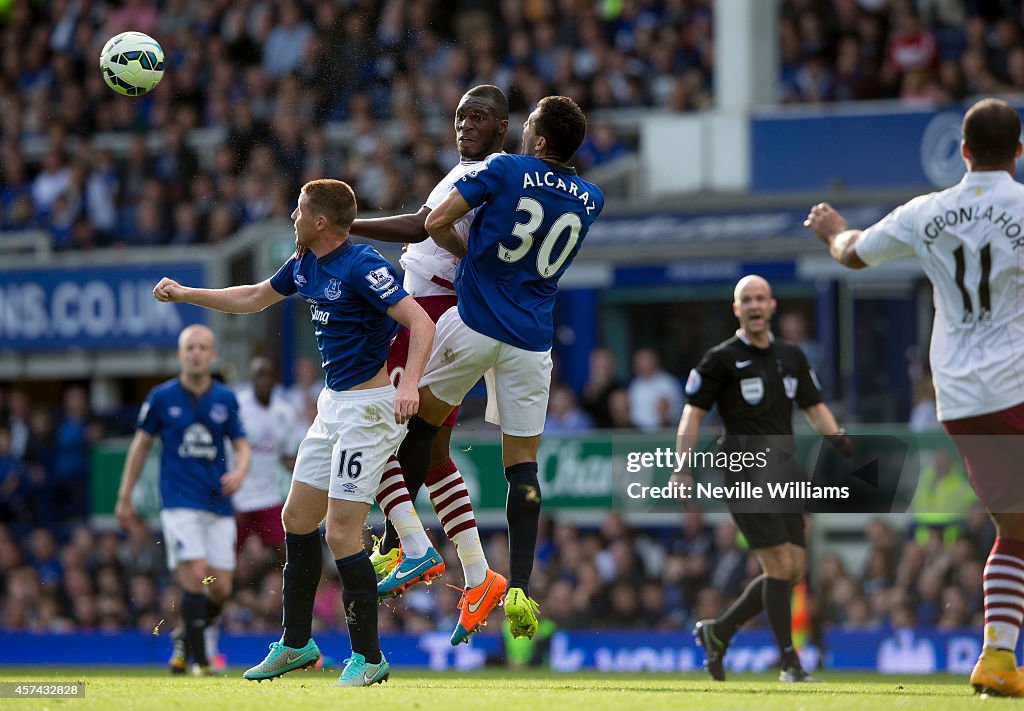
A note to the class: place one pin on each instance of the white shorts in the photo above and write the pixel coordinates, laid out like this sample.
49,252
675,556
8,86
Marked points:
518,390
194,534
349,442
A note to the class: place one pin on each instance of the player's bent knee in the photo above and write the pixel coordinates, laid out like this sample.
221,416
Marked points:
295,520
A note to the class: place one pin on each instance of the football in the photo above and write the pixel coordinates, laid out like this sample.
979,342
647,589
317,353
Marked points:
132,63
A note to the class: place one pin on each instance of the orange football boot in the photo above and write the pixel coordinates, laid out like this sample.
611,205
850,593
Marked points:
476,604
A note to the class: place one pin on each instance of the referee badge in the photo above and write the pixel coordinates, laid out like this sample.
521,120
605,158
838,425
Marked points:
790,383
752,390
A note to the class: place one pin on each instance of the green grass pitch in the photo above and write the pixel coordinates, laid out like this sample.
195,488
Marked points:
416,690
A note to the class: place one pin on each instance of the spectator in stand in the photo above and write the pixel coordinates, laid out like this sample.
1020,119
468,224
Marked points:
18,411
40,455
304,391
655,397
942,499
600,146
912,48
564,413
923,417
601,383
12,474
71,459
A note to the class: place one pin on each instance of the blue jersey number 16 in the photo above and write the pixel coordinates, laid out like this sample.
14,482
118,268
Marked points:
524,231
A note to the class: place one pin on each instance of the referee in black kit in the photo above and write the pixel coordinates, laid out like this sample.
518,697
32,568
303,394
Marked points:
755,379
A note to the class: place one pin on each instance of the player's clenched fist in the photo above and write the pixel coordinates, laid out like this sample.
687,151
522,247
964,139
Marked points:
824,221
168,290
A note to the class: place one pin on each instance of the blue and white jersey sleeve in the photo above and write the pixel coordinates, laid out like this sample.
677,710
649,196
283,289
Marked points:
375,280
284,281
149,416
484,182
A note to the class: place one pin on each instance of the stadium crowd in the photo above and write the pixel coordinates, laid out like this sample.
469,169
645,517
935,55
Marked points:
922,52
58,574
268,79
609,577
265,83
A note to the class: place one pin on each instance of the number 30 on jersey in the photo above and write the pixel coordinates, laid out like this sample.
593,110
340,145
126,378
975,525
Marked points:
525,232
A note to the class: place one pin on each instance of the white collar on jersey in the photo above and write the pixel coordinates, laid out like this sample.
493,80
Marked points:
742,337
985,176
463,161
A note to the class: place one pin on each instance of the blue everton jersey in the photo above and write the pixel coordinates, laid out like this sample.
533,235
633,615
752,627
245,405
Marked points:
192,430
530,224
349,291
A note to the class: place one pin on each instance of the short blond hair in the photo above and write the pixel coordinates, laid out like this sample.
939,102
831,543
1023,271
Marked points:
196,328
334,199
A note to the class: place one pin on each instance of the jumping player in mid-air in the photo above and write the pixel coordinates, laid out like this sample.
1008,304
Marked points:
533,214
481,121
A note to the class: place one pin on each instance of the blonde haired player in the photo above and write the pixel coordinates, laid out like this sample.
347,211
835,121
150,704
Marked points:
192,415
353,295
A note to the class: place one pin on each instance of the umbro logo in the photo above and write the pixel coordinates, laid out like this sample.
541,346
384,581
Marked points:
743,363
299,279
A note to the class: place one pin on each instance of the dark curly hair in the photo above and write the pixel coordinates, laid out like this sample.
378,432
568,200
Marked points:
561,121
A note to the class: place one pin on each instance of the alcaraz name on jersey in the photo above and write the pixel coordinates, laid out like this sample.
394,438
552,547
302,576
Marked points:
192,431
531,222
349,291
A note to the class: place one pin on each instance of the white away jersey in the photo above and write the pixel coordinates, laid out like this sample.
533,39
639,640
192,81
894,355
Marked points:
430,270
274,433
970,242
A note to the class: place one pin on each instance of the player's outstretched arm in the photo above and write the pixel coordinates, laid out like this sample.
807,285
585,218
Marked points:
441,223
231,481
421,338
246,299
409,228
831,228
124,511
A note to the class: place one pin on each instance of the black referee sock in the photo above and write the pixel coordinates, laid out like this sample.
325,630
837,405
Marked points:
746,606
414,458
777,604
193,615
359,595
522,509
302,570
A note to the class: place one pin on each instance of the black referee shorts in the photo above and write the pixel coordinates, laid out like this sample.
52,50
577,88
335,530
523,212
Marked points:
769,523
765,530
